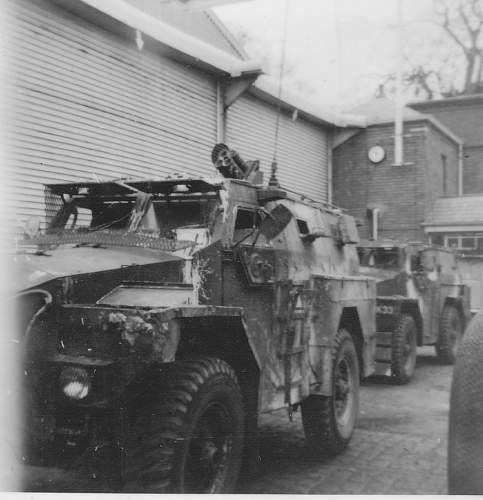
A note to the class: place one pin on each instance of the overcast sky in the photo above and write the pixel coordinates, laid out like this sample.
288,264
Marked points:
337,50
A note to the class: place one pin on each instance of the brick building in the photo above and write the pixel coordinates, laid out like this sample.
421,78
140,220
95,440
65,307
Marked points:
464,116
457,222
375,190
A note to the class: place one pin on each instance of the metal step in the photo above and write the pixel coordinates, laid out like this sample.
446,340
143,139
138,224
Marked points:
383,368
383,353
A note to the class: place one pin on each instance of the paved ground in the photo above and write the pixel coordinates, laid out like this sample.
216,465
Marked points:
399,446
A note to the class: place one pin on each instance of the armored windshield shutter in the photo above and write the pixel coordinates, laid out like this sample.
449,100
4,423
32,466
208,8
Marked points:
348,230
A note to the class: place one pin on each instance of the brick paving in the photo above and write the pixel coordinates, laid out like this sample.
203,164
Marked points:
375,462
399,446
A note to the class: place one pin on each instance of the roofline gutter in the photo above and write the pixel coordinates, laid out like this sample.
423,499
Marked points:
201,52
267,88
460,169
470,98
450,226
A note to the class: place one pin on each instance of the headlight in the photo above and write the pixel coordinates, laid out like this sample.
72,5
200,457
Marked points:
75,382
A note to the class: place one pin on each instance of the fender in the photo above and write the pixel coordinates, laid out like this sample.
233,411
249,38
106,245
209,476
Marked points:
459,296
340,302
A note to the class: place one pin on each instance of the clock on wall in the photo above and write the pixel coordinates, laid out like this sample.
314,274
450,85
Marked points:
376,154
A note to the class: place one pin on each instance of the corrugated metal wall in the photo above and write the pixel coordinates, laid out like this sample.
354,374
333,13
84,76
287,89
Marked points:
302,145
86,102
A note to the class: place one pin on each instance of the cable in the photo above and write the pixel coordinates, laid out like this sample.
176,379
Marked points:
109,224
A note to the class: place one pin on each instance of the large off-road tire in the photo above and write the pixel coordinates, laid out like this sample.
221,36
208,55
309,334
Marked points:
404,350
450,333
465,451
329,421
188,437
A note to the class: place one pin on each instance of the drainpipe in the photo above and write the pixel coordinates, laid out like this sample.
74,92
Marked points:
375,223
330,145
460,169
220,114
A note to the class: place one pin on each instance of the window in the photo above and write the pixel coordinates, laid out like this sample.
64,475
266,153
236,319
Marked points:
444,165
303,227
468,243
247,219
436,239
464,242
452,242
381,258
246,223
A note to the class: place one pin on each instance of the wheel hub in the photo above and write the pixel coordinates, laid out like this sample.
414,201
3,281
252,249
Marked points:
455,335
343,391
208,451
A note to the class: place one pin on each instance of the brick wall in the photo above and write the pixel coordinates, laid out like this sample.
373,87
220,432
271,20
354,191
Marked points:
402,194
437,145
465,118
473,169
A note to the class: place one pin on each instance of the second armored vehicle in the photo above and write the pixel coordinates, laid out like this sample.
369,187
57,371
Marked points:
420,301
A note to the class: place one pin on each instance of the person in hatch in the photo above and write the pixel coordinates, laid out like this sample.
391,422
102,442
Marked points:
231,165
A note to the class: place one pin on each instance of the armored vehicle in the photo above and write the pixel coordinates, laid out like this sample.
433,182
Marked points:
420,301
161,317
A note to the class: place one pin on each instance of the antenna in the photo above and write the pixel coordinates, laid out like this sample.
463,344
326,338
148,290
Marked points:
273,182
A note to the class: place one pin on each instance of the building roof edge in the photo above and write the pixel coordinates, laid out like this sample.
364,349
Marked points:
211,56
266,86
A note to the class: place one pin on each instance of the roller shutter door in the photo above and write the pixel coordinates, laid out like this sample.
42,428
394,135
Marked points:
302,145
86,103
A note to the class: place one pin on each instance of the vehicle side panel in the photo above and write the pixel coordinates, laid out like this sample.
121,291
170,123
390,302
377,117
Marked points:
333,295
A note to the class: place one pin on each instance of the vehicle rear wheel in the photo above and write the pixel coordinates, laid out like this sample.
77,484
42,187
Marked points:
329,421
189,437
450,333
404,350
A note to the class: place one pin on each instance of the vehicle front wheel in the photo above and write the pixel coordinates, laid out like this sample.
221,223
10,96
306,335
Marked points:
404,350
450,334
188,438
329,421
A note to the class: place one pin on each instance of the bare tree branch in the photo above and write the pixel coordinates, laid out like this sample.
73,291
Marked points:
427,75
477,12
447,27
